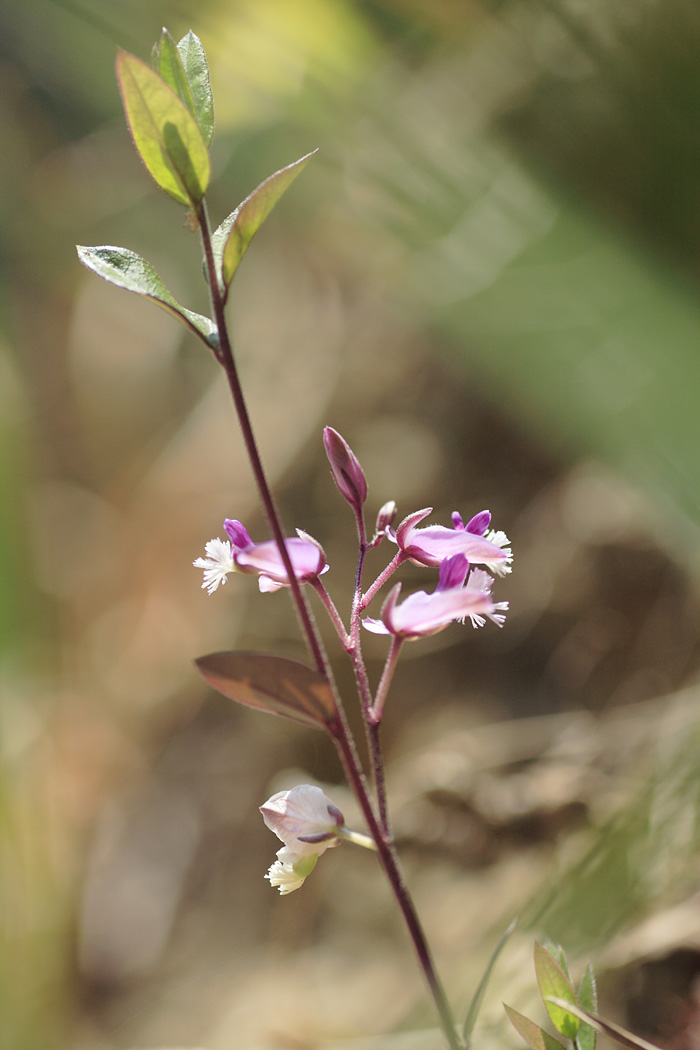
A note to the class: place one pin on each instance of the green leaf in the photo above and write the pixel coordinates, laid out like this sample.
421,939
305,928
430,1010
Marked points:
196,68
554,982
588,999
273,684
168,64
557,953
475,1005
230,241
165,133
533,1035
128,270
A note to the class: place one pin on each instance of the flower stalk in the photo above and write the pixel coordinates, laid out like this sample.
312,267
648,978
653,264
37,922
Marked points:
169,110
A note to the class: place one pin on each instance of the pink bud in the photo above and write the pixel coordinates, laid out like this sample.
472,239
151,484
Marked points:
385,517
347,472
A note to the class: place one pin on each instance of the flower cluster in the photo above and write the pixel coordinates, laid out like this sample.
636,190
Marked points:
467,557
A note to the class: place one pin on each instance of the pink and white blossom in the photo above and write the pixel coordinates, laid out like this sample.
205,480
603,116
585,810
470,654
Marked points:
423,614
432,544
240,553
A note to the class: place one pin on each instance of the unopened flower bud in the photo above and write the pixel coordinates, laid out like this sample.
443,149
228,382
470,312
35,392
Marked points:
347,472
386,515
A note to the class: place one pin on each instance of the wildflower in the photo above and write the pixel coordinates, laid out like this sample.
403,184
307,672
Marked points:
347,472
431,545
304,818
422,614
222,557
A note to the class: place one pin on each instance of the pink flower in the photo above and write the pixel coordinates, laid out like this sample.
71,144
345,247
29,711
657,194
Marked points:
431,545
222,557
304,818
422,614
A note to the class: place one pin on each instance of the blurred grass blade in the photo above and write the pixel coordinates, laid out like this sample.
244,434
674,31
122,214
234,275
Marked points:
230,241
615,1031
588,1000
165,134
273,684
130,271
534,1036
555,984
194,61
475,1005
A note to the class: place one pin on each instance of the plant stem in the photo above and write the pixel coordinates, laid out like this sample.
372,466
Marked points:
226,358
391,568
390,863
340,730
385,681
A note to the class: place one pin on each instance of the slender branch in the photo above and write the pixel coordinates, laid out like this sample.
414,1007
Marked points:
226,358
387,573
390,863
363,686
333,614
385,681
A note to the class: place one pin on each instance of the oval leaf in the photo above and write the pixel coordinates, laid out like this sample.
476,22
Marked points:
230,241
533,1035
128,270
554,983
194,61
272,683
165,133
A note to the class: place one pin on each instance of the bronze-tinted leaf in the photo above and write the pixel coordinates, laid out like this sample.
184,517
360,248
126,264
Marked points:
272,683
535,1037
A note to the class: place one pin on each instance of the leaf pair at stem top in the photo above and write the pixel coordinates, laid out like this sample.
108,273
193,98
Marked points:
170,113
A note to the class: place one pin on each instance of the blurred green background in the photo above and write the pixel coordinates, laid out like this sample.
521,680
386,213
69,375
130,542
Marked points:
487,281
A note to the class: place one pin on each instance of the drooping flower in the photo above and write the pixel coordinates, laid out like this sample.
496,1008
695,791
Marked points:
304,818
308,824
423,614
345,467
432,544
262,559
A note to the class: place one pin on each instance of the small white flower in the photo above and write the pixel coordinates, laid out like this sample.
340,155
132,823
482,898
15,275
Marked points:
217,564
289,870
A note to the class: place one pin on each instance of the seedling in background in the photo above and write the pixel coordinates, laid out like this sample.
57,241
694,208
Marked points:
573,1012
